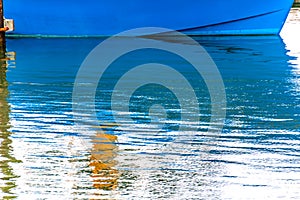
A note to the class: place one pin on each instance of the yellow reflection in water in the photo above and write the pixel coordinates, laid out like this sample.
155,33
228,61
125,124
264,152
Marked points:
104,150
7,176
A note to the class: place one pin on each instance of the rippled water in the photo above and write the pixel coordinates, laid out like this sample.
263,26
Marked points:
44,155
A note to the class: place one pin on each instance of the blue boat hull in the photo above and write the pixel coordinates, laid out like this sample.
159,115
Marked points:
105,18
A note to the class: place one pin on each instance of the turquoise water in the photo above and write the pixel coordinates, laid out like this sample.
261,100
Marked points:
44,155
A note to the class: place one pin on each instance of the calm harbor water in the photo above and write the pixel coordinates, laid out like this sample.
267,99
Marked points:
44,155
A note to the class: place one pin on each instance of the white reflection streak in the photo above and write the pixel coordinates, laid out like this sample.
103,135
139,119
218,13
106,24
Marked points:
291,37
46,170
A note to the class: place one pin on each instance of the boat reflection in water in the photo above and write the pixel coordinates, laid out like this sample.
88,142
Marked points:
256,156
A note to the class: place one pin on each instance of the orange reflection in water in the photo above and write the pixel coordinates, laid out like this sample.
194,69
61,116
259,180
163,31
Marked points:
104,150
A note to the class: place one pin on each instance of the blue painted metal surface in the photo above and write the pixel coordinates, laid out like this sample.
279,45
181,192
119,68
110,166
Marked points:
105,18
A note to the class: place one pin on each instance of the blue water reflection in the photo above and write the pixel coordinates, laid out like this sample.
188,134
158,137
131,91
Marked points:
256,156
